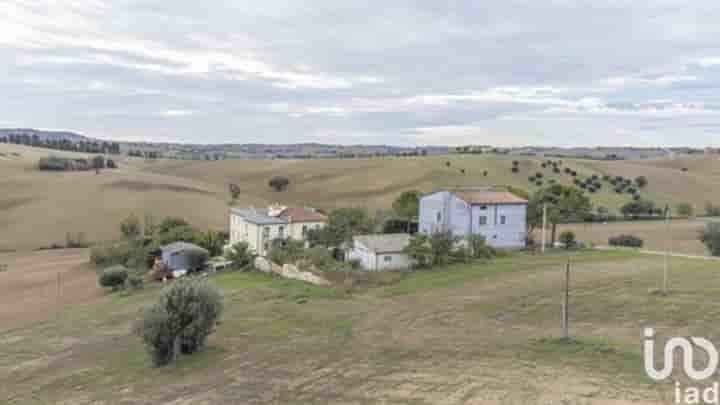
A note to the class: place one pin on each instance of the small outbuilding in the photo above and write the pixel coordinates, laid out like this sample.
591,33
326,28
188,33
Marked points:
183,256
381,252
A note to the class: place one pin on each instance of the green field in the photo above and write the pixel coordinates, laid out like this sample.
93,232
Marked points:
473,333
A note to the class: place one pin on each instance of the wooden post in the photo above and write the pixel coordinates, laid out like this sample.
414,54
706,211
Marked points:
544,225
565,303
667,248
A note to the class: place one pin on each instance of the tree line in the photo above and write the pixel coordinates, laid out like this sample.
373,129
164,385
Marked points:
63,144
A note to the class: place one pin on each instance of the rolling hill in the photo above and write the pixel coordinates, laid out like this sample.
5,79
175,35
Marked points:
39,208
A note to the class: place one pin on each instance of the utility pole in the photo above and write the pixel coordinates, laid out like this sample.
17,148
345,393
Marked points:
544,225
565,303
667,248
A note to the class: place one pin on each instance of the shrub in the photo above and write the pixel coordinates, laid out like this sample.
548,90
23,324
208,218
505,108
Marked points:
184,316
626,241
711,238
684,209
75,240
712,210
568,239
135,282
478,247
279,183
110,254
113,277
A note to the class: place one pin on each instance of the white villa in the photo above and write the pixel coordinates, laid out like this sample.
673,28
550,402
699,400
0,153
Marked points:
497,214
260,227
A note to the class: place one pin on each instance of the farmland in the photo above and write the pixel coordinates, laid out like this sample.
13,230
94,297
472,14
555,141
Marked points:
473,333
39,208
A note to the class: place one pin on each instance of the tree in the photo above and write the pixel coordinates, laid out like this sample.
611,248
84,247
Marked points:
279,183
181,320
441,245
711,238
684,209
211,240
241,255
234,190
98,163
641,181
130,227
478,246
407,206
418,248
343,223
712,210
637,208
568,239
563,203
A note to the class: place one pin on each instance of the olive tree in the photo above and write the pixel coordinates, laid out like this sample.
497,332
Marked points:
181,320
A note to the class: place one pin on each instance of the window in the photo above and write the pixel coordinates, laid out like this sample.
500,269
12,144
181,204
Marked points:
503,220
387,259
482,220
483,207
439,217
266,232
281,232
304,230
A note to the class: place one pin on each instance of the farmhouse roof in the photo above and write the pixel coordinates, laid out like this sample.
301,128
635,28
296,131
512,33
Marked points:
258,217
489,197
176,247
384,243
302,214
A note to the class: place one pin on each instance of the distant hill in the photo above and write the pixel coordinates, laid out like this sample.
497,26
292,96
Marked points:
44,135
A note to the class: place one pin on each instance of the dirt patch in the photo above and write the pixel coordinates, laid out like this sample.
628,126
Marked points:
14,203
29,287
142,186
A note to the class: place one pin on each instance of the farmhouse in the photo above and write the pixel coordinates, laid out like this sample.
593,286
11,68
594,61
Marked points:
497,214
380,252
260,227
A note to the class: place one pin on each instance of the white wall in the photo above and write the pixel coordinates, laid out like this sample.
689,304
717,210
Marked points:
371,261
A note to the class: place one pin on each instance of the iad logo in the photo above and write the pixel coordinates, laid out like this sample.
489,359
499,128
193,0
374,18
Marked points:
686,346
709,394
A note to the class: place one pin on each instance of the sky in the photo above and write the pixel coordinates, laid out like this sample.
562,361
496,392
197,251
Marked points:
506,73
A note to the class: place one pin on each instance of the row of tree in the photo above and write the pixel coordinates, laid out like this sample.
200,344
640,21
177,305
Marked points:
63,144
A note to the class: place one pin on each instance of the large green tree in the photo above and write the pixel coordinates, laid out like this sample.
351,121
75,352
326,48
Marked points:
564,203
407,205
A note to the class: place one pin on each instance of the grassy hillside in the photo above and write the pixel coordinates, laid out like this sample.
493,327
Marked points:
39,208
472,333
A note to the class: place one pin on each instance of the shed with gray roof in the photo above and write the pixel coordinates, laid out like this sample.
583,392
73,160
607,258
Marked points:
381,251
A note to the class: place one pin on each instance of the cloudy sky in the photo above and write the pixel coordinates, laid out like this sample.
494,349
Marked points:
401,72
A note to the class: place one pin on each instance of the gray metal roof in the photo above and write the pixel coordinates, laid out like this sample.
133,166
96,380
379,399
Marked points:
258,218
384,243
180,246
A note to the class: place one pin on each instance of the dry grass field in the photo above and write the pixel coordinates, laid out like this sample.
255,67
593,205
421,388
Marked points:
682,236
465,334
39,208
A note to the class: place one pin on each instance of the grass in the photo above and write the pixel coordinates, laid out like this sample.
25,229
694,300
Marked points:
286,338
449,276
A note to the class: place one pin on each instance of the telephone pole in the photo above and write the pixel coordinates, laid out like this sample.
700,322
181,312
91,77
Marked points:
566,303
667,248
544,225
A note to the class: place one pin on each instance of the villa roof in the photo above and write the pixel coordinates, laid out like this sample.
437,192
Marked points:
257,217
488,196
384,243
302,214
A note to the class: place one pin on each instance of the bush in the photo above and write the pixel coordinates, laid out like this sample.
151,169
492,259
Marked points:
568,239
626,241
712,210
711,238
110,254
113,277
478,247
279,183
184,316
241,256
684,209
